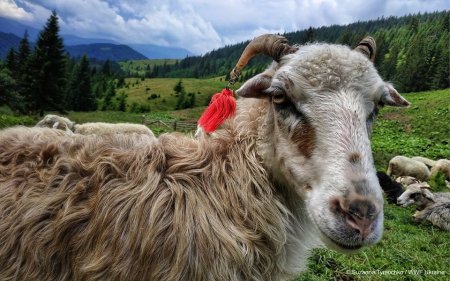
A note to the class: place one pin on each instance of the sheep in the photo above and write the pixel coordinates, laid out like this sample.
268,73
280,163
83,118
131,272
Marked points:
391,188
56,122
430,163
434,207
438,214
404,166
290,171
443,166
101,128
420,195
406,180
98,128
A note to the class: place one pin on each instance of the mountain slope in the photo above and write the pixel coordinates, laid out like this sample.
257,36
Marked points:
158,52
105,51
8,41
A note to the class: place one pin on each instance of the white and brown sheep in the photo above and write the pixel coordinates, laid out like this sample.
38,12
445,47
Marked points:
293,170
433,207
404,166
406,180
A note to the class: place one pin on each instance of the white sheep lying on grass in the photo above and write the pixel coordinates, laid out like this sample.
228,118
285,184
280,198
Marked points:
56,122
102,128
92,128
404,166
434,207
406,180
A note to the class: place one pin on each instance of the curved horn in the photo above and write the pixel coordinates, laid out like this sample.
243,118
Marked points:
367,47
275,46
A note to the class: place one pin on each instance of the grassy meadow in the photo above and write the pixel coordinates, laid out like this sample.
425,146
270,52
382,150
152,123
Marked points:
408,251
158,93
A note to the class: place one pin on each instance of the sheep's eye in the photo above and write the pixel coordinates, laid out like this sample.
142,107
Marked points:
278,95
413,196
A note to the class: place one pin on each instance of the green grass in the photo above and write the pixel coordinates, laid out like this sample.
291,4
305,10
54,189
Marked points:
405,246
139,91
423,129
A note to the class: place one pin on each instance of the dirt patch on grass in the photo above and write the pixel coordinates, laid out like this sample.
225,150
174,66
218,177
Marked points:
398,116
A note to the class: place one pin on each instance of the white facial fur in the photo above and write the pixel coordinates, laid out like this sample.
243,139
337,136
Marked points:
321,136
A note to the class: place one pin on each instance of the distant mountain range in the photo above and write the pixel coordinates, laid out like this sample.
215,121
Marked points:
99,48
105,51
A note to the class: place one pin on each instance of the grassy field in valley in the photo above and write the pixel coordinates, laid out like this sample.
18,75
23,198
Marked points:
159,95
423,129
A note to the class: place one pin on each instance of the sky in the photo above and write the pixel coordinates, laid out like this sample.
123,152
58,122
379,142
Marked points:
202,25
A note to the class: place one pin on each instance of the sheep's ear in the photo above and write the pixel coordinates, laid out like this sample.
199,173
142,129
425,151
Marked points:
427,193
391,97
254,87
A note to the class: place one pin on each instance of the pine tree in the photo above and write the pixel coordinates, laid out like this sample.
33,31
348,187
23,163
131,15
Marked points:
122,100
11,63
110,93
47,64
24,75
83,99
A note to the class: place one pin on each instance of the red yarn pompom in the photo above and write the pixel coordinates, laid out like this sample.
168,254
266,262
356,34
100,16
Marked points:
221,107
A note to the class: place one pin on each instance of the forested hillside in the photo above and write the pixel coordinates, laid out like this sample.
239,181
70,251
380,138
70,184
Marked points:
413,51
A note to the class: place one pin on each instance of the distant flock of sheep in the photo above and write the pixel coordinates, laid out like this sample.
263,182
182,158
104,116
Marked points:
411,188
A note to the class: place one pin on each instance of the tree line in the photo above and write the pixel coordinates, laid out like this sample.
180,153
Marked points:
413,51
44,77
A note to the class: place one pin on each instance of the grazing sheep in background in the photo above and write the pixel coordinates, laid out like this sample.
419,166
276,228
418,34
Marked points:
434,207
404,166
391,188
101,128
406,180
56,122
430,163
292,170
443,166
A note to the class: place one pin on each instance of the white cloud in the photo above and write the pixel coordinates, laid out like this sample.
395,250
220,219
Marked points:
203,25
9,9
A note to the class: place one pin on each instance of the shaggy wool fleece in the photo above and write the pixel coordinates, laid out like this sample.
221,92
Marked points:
129,207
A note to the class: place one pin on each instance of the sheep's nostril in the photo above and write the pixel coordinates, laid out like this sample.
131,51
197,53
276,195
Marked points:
361,225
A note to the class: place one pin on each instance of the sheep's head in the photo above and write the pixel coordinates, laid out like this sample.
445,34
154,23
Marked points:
417,194
322,102
56,122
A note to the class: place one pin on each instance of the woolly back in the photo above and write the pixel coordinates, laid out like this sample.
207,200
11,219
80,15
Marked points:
125,207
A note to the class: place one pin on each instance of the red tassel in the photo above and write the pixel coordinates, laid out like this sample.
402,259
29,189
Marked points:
221,107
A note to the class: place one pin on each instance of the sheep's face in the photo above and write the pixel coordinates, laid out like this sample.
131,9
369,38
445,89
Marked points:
323,102
415,194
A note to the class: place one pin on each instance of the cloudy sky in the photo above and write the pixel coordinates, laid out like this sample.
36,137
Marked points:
202,25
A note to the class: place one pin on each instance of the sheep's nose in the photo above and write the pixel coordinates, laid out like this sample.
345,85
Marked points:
359,214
